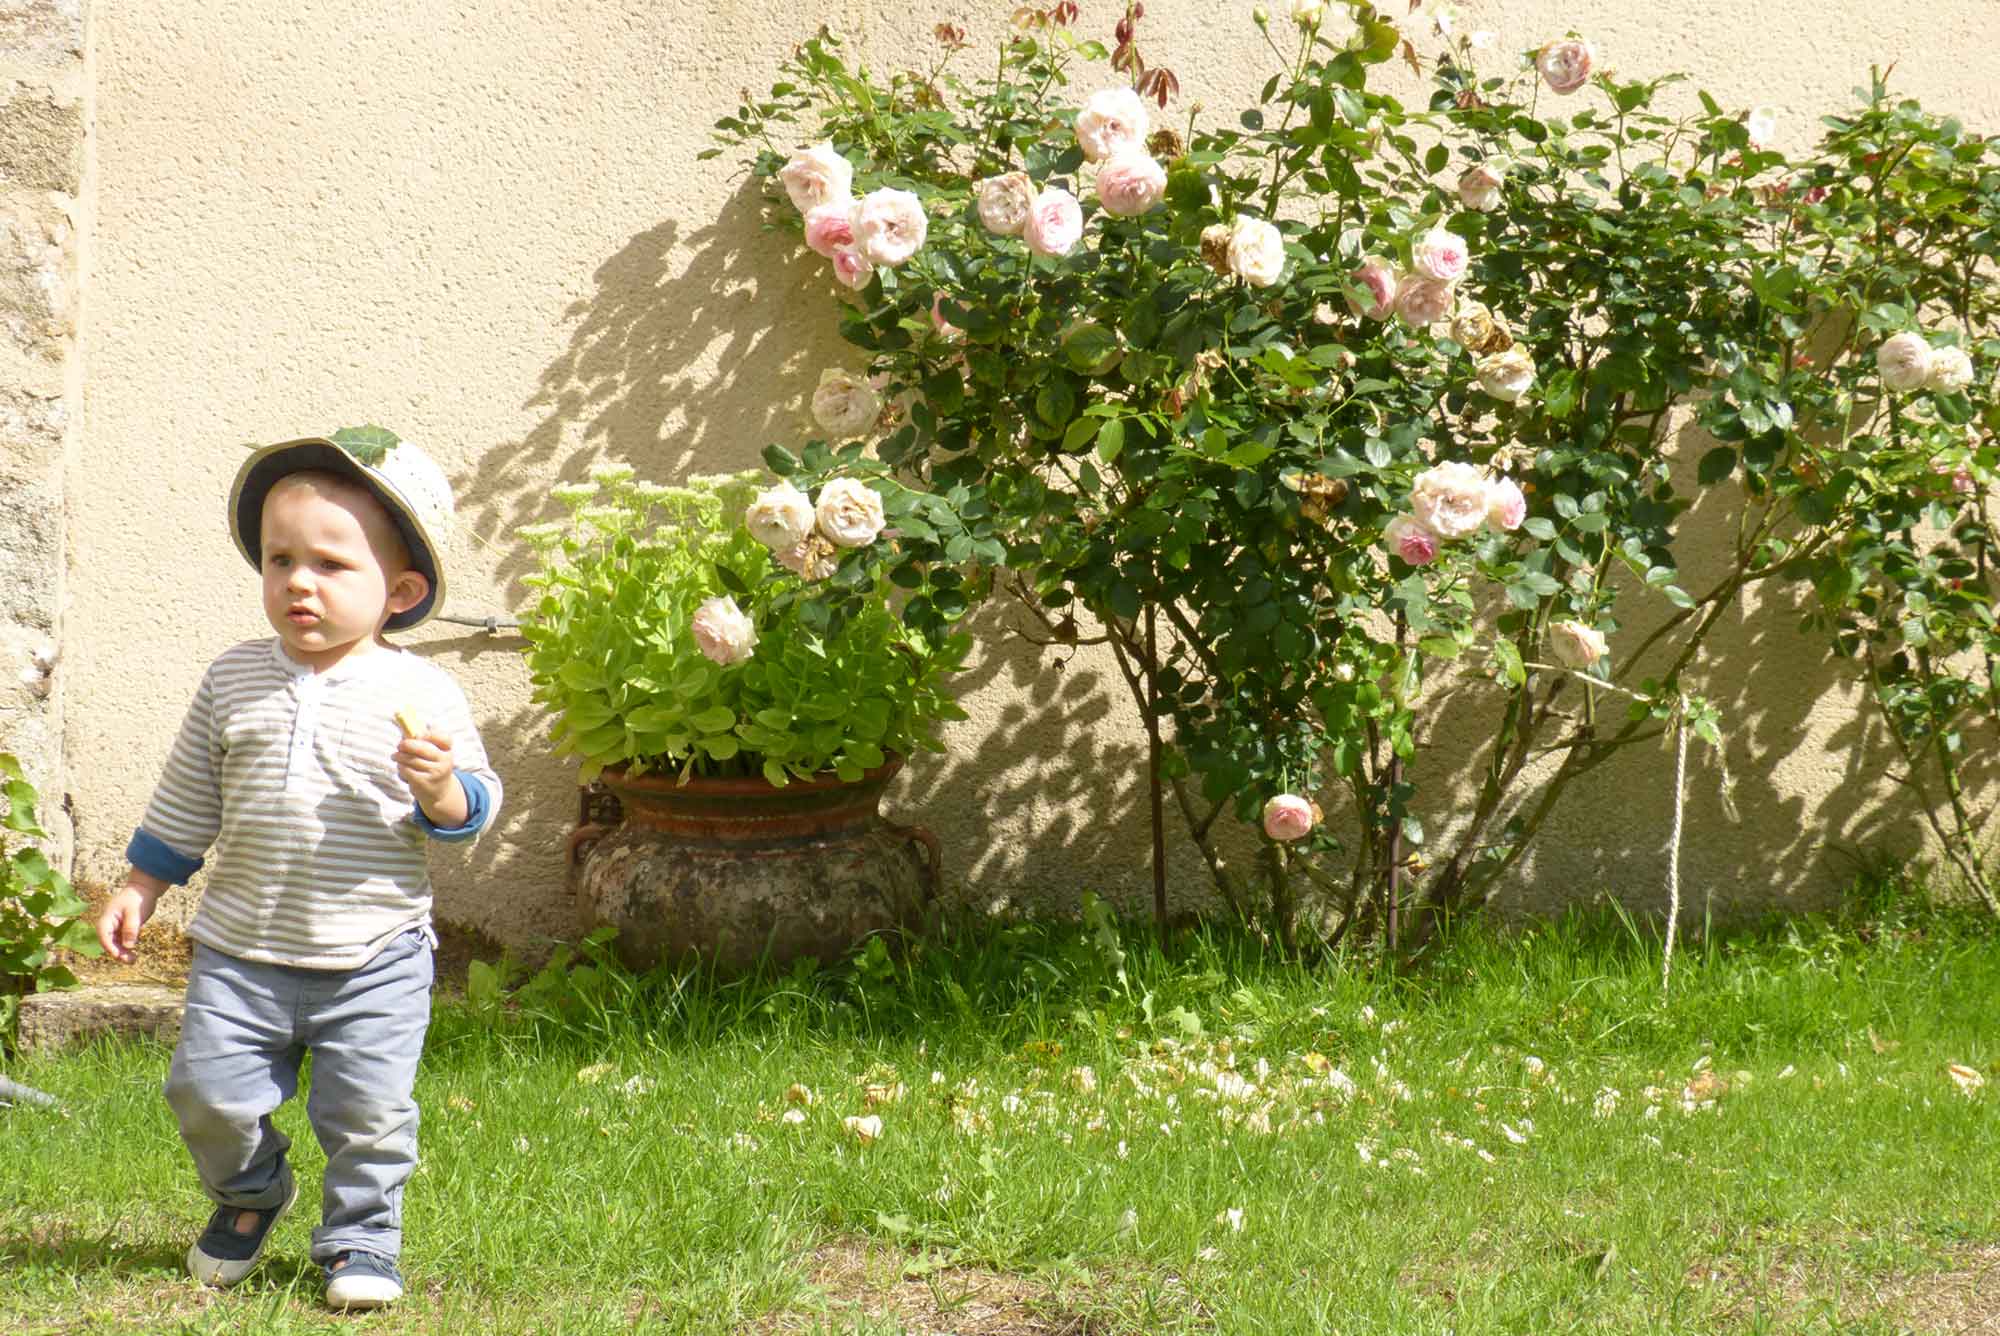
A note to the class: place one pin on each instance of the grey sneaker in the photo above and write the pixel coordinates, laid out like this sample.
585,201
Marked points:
222,1256
356,1280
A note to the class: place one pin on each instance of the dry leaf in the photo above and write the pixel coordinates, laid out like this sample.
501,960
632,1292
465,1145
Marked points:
880,1093
1969,1079
865,1130
594,1073
798,1094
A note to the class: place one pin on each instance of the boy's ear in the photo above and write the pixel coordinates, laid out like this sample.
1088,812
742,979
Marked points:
407,590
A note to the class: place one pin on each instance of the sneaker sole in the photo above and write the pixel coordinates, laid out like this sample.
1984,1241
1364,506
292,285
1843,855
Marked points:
222,1272
361,1292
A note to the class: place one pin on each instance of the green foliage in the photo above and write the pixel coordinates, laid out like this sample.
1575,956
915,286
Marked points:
837,680
39,911
370,444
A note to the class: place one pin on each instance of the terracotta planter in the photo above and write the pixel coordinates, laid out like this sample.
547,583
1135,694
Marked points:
735,870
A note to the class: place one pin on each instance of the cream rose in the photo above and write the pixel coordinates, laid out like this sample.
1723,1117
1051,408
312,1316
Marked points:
780,517
845,405
1055,223
1506,375
1762,126
1449,499
1904,361
1371,289
1410,540
829,227
849,513
817,176
1130,183
851,267
723,631
1479,187
1506,506
1112,119
1951,370
1422,302
1289,817
1565,65
1306,13
1440,255
1004,202
889,226
1577,645
1256,252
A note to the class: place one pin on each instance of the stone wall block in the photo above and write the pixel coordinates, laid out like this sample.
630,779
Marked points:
41,142
37,276
42,34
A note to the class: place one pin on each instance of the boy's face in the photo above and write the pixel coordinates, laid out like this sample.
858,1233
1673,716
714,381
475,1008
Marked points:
334,569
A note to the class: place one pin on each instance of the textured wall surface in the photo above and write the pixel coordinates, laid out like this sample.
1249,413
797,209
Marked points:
45,97
485,226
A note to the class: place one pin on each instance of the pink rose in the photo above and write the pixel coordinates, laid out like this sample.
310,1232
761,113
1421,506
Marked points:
1130,183
889,226
1577,645
816,176
1565,65
1371,289
723,631
829,227
852,268
1449,499
1410,540
1479,188
1289,817
1055,223
1506,507
1422,302
1004,202
1440,255
947,331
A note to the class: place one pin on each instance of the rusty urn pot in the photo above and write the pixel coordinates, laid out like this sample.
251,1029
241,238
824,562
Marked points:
736,870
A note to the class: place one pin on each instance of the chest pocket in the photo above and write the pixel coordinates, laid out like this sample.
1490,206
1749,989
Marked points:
364,756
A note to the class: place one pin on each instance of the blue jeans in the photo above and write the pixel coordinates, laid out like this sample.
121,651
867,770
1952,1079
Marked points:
247,1028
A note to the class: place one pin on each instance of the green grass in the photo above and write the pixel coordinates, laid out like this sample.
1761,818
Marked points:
1785,1150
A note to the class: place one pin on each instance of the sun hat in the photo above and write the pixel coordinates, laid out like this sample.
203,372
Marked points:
408,482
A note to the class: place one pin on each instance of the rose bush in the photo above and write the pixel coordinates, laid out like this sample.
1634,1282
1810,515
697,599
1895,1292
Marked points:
1287,523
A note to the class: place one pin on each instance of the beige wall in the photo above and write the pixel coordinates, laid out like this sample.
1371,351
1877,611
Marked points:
484,225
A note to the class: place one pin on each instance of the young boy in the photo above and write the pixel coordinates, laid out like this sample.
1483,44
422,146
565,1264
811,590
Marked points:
319,764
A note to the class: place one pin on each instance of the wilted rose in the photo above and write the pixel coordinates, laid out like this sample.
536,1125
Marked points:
829,227
1441,255
1577,645
1256,252
1055,223
1004,202
849,513
1422,302
1478,330
1113,119
723,631
1951,370
1506,375
1371,289
1215,247
1904,361
1506,507
1449,499
845,404
1565,65
816,176
1410,540
780,517
811,558
1289,817
1130,183
1479,187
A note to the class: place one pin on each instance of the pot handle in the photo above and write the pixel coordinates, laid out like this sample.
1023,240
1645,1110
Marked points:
933,853
580,840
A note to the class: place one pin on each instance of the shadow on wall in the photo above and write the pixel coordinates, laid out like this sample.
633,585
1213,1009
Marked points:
696,368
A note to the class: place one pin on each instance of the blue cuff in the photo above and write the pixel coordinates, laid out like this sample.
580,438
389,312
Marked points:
150,854
478,806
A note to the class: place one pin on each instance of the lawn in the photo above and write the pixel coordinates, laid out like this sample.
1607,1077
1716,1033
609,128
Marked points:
1523,1136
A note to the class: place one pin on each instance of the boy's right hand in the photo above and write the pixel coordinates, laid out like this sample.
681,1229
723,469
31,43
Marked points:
124,914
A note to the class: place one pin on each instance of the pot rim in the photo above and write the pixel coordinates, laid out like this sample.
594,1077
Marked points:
616,776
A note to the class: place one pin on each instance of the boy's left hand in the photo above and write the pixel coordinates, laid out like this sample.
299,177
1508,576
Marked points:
425,765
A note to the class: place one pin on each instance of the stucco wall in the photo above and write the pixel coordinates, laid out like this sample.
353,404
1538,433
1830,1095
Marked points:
484,226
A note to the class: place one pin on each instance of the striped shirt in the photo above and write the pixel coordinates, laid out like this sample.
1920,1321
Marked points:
291,776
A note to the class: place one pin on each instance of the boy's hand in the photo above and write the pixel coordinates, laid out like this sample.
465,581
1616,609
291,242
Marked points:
126,912
425,765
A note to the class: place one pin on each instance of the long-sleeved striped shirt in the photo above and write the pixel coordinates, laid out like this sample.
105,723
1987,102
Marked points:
291,776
